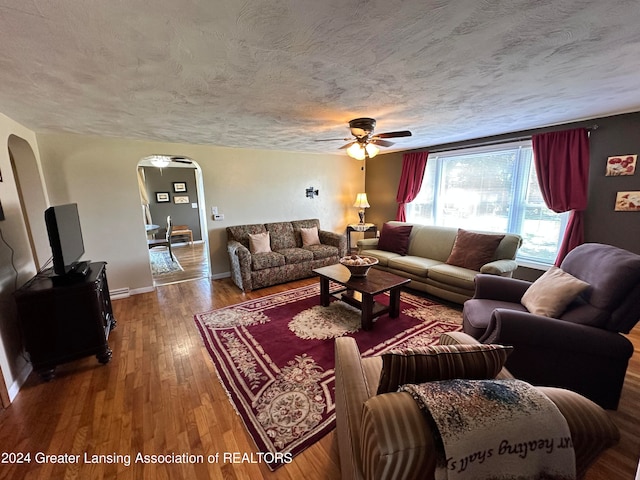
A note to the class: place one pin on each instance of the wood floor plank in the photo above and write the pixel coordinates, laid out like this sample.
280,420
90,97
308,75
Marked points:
160,394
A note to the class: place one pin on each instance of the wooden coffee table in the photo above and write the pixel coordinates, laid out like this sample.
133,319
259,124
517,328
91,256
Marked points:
359,291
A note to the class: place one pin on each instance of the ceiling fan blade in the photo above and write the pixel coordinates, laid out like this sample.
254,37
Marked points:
379,141
403,133
332,139
346,145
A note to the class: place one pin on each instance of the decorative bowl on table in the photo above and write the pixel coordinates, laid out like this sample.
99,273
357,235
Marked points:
358,265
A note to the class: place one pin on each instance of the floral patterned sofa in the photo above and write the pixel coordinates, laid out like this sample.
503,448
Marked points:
289,256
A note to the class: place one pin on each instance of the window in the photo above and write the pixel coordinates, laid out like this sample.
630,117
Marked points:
492,189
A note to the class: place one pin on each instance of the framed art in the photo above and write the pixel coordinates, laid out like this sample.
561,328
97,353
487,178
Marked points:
181,199
628,202
162,197
621,165
179,187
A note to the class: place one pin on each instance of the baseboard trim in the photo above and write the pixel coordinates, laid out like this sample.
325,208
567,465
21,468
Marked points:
220,276
137,291
15,387
119,293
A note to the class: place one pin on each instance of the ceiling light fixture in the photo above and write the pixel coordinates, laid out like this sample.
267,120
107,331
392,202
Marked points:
360,151
372,150
159,161
356,151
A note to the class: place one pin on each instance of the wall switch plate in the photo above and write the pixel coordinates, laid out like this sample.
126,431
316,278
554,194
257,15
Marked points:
194,205
214,211
218,216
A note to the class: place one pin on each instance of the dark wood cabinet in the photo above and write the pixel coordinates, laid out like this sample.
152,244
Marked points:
63,321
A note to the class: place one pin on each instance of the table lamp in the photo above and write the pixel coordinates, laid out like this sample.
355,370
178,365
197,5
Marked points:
361,203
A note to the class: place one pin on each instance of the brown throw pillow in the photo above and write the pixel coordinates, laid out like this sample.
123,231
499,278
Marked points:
395,238
441,362
550,294
472,250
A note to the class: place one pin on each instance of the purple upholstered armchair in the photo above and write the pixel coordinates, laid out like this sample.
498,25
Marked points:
581,350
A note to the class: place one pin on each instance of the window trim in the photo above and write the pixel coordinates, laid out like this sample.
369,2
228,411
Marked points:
520,187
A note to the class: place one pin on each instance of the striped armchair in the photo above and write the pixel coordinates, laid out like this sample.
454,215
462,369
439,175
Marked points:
387,437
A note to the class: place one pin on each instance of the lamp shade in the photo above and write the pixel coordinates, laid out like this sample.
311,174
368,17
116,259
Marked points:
372,150
360,151
361,201
356,151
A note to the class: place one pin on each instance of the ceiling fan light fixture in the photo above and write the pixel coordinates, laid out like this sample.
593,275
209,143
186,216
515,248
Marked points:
356,151
372,150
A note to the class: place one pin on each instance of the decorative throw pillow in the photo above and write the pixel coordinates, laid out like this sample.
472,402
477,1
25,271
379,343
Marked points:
472,250
550,294
259,242
441,362
395,238
310,236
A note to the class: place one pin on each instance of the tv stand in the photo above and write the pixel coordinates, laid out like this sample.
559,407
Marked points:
80,268
62,322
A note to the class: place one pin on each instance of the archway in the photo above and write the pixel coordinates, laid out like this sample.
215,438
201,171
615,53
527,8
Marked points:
32,196
174,189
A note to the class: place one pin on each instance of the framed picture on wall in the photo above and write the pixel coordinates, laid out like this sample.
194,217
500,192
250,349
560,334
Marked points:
628,202
162,197
621,165
181,199
179,187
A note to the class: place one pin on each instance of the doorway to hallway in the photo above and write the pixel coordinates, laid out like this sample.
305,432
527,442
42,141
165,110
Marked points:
174,188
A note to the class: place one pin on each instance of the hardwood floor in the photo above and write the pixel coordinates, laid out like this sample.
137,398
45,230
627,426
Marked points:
160,395
193,260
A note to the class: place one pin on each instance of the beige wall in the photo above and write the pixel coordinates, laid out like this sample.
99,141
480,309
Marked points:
383,175
17,253
247,186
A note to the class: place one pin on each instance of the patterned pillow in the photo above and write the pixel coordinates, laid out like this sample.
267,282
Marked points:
441,362
259,243
472,250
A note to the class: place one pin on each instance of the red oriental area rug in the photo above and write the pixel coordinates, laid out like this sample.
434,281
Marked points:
275,357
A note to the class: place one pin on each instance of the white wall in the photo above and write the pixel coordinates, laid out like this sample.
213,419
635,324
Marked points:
247,186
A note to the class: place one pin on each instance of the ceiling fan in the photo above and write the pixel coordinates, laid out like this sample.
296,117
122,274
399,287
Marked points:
366,142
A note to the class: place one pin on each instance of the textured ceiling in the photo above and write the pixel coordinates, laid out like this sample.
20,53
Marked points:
279,74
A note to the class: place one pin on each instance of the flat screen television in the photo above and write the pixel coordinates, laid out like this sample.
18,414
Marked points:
65,237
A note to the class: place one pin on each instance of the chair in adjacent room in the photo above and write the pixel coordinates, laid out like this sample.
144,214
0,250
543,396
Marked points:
573,337
166,241
182,230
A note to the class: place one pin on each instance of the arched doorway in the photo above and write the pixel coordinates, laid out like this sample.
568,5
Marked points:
24,249
174,188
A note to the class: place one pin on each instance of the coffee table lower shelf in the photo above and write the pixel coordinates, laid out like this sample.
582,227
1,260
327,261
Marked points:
359,292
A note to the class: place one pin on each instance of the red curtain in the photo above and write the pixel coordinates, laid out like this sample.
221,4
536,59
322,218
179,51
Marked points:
413,166
562,166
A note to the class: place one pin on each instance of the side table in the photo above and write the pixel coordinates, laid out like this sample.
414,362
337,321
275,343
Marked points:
360,227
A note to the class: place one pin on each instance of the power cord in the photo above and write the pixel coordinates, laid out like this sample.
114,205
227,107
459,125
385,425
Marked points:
13,254
23,353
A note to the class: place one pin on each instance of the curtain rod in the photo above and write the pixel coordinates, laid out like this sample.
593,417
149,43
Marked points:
492,142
